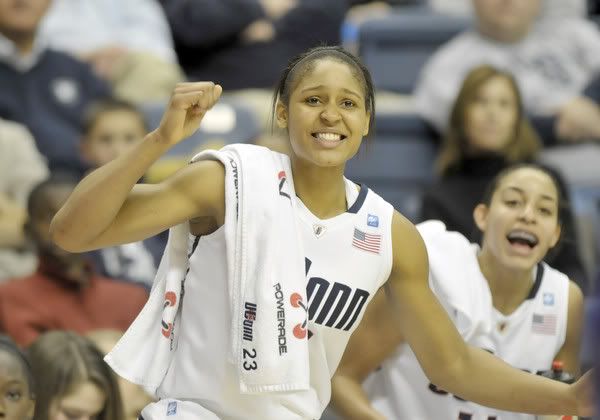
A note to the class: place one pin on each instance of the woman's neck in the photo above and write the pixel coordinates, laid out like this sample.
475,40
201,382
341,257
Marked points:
322,190
509,287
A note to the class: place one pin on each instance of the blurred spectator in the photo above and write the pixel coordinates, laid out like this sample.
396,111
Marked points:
553,60
43,89
133,396
242,43
16,382
111,128
72,379
128,43
487,132
21,167
65,292
550,8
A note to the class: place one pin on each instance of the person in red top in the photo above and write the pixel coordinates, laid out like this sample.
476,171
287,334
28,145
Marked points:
64,293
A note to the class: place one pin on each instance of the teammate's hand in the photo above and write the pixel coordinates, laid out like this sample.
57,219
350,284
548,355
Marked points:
187,106
583,392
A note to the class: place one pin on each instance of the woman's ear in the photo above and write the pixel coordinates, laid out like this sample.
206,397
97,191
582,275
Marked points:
31,407
367,125
480,216
556,236
281,113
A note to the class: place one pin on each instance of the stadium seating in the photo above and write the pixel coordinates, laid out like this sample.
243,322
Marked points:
395,47
397,162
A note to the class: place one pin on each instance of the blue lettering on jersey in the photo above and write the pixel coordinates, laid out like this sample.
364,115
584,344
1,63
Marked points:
373,220
335,297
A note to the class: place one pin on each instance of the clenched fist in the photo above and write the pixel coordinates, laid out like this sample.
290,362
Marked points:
187,106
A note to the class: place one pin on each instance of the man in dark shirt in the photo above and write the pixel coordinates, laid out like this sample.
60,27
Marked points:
45,90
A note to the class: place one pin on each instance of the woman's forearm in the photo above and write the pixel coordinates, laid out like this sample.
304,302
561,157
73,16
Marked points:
97,199
487,380
350,401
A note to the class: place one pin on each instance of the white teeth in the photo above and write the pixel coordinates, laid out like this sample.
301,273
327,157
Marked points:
328,136
521,234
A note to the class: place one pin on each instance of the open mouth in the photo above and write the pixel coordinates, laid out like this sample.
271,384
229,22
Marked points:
522,239
329,137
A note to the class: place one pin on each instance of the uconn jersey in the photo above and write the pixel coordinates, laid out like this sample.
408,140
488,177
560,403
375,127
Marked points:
348,257
528,339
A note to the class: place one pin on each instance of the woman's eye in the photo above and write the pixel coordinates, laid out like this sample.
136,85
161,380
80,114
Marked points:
13,395
511,203
313,100
545,211
348,104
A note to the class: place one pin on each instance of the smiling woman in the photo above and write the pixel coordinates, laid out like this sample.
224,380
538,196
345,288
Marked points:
500,295
280,257
488,131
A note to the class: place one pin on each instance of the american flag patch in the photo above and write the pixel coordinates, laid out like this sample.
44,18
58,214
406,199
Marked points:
543,324
366,241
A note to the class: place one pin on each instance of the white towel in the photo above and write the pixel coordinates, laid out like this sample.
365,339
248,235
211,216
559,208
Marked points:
456,279
265,262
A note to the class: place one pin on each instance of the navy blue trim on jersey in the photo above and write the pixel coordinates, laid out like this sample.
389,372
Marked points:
196,240
360,200
537,283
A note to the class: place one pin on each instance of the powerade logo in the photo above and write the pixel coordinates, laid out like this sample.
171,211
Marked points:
281,336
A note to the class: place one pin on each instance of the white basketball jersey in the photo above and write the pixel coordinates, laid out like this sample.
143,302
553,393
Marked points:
348,257
528,339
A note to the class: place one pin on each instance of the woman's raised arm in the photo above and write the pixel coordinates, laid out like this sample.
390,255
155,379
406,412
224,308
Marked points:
108,208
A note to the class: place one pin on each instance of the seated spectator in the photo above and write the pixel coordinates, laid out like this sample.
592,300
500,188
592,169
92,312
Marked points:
550,8
487,132
21,167
133,396
128,43
72,379
111,128
552,60
16,382
243,43
65,292
43,89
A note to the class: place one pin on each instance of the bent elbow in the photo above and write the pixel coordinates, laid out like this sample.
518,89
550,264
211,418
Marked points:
63,239
446,375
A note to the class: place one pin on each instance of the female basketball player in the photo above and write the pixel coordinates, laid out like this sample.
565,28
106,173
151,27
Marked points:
325,101
501,296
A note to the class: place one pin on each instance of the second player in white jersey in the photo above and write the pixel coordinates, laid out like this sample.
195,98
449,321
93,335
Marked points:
501,297
529,338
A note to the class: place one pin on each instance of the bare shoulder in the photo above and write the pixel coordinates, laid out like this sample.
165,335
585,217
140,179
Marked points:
575,296
409,252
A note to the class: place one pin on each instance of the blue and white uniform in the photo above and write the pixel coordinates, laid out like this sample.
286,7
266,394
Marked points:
529,338
348,257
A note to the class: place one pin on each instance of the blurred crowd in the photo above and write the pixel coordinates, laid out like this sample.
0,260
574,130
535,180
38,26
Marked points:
81,81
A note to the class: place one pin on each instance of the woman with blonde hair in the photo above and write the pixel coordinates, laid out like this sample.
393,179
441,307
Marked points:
72,379
488,131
